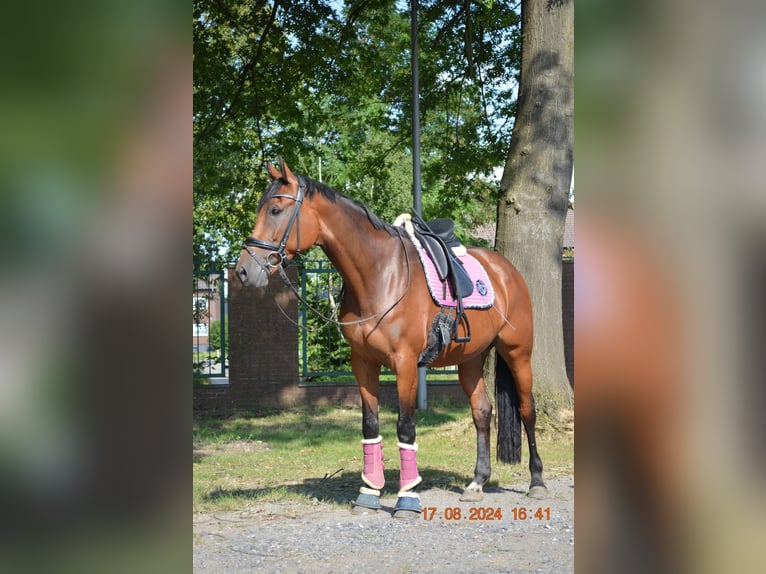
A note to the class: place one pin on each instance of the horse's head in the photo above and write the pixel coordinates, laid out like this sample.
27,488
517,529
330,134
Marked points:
282,230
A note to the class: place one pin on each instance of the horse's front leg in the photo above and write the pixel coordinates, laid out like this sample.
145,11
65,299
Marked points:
408,503
368,378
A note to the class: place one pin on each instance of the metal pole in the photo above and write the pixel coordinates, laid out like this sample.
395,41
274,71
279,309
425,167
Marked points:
416,189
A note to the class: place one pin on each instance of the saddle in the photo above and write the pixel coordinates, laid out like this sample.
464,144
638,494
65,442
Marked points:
438,238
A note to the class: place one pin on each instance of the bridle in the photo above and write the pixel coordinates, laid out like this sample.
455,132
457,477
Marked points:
277,255
277,258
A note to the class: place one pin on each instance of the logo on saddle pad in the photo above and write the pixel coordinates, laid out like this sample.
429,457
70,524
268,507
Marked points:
481,287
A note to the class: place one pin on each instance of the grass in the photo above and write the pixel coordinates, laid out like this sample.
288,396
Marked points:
315,455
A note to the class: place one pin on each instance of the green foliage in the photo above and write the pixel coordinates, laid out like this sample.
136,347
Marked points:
322,343
327,86
214,336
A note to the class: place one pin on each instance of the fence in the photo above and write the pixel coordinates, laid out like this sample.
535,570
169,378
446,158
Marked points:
209,325
324,354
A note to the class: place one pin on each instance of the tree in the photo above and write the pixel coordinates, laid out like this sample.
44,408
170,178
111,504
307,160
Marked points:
326,84
534,189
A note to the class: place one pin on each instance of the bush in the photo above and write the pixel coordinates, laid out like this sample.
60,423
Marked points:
215,336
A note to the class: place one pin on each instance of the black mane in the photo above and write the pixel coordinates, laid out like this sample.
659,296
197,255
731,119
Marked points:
313,186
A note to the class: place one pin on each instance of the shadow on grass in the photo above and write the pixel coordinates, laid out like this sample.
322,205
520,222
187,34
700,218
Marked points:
342,488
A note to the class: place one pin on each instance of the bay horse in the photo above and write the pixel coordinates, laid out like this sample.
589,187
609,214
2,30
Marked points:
386,313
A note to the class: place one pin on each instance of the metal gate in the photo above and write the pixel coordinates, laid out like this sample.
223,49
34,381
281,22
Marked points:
324,354
209,325
325,358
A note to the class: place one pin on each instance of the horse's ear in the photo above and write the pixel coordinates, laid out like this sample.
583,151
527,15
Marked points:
287,174
273,173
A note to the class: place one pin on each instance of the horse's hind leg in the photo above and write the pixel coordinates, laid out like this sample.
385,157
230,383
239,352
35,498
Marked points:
472,380
520,364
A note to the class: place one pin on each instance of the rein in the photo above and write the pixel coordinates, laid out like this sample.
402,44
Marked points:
277,258
330,320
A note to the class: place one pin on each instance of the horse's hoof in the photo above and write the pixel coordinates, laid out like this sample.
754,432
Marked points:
471,496
407,514
366,501
538,492
357,510
408,506
472,493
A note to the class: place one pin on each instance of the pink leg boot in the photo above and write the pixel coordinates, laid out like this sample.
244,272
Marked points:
372,475
408,469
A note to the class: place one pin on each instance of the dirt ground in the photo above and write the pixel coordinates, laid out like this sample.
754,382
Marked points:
457,537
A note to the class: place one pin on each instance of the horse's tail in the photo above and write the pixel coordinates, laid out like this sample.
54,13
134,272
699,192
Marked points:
508,416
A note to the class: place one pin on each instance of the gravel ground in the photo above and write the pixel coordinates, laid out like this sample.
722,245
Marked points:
321,538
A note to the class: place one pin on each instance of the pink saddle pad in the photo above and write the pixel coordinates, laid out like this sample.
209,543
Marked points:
483,294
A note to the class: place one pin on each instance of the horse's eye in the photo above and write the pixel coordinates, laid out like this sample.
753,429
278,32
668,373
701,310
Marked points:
275,211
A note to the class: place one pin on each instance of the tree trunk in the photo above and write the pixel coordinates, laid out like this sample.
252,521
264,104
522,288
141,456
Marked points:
534,190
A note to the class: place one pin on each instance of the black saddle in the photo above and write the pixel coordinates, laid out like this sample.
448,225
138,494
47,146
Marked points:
438,237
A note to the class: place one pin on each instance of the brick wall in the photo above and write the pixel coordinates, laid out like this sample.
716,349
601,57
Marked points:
263,363
212,399
263,351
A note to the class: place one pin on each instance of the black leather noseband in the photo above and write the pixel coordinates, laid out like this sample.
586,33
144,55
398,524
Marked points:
277,252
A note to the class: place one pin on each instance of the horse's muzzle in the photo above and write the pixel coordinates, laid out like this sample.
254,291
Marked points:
251,274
